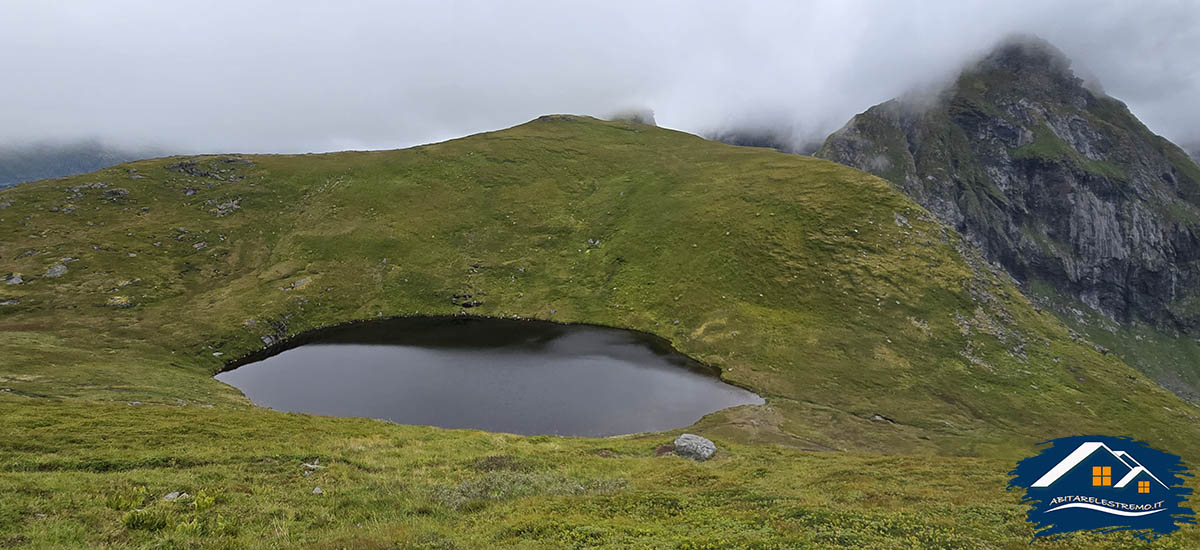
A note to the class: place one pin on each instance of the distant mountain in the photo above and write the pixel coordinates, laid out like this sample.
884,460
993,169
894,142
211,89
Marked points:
781,138
766,138
1062,186
38,161
1194,151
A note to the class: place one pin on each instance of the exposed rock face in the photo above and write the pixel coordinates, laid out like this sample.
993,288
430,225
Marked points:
640,115
222,207
55,271
1056,182
116,194
694,447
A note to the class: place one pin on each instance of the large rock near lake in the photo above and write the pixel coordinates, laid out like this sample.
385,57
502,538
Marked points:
695,447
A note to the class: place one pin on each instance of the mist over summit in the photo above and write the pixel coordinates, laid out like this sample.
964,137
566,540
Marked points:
1096,215
376,75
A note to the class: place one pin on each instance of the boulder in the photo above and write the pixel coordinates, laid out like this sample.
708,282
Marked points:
56,270
694,447
119,302
223,207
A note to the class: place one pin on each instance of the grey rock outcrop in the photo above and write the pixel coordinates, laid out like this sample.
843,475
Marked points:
223,207
1058,183
640,115
55,271
115,194
694,447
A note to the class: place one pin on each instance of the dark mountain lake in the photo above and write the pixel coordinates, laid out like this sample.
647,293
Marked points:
525,377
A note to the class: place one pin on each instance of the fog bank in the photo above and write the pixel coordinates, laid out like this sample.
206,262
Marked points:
293,76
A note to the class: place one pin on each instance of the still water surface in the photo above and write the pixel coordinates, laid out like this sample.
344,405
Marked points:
524,377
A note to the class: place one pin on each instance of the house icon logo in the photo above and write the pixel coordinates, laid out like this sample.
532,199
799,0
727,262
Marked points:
1103,483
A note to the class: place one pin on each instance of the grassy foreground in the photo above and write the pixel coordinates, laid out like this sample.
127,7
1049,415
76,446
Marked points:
869,327
389,486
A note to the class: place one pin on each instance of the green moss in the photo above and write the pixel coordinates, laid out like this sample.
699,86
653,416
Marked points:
972,93
1048,147
1045,146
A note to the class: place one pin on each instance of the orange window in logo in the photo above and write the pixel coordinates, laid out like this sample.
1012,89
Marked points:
1143,486
1102,477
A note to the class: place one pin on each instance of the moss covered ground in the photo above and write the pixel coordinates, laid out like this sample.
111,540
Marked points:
903,375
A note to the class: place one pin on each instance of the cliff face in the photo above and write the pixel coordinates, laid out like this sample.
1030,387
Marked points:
1056,182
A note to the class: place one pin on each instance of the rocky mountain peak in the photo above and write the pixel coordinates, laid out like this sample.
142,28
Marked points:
1059,184
1024,54
1028,68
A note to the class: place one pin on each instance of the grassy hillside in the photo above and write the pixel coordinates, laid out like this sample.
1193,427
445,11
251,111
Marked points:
820,287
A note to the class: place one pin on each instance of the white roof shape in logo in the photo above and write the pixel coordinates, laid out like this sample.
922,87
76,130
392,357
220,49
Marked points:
1085,450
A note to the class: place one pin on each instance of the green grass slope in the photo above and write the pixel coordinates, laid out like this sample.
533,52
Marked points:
868,326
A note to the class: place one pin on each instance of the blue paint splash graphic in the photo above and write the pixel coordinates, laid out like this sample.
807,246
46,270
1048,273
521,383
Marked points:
1105,484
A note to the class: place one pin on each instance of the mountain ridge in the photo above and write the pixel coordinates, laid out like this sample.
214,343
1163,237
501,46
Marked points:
1063,187
38,161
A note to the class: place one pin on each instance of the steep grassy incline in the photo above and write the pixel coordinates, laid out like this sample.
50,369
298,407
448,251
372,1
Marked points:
868,326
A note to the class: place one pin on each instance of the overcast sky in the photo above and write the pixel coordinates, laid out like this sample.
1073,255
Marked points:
296,75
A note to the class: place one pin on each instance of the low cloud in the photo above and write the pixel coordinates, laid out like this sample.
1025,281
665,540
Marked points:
291,76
